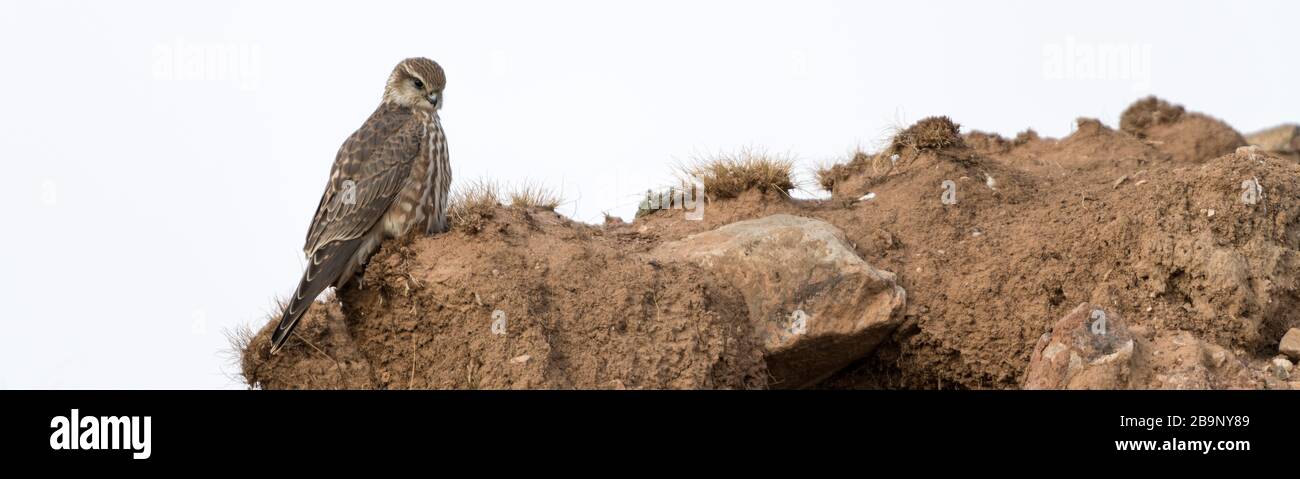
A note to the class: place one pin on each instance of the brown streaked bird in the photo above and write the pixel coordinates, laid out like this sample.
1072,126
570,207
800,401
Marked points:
390,178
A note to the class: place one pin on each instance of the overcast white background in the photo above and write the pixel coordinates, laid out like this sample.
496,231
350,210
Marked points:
161,160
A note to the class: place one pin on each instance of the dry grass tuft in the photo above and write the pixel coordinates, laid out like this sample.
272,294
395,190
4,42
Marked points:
472,203
474,196
933,133
245,354
241,339
729,175
830,174
826,176
534,195
611,220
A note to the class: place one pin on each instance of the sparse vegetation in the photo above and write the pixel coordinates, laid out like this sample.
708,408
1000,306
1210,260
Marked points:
534,195
248,360
474,196
611,219
828,175
615,300
932,133
473,201
728,175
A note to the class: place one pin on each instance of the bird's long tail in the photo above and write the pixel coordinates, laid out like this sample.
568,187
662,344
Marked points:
323,269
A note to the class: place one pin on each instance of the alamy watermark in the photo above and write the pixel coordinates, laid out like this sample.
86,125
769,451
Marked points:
49,193
498,322
1076,60
689,196
238,63
349,192
125,433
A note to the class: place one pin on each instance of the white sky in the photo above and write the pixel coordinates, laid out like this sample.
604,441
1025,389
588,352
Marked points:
157,190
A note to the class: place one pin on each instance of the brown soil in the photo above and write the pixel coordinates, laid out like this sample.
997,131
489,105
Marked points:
1120,218
578,313
1188,137
1092,147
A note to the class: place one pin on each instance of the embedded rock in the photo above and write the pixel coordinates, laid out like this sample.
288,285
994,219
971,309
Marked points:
814,304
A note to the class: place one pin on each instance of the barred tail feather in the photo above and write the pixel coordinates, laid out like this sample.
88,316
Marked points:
323,270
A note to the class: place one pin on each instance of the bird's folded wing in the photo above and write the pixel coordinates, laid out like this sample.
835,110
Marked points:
371,168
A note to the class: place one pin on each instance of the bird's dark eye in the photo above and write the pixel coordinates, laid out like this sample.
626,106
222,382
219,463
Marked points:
419,84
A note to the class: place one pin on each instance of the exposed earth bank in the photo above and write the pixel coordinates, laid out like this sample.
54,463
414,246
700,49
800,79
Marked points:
1159,254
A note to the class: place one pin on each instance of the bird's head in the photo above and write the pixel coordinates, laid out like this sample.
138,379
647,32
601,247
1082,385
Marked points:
416,83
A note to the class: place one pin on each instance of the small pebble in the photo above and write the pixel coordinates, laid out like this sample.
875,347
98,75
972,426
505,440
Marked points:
1280,368
1284,363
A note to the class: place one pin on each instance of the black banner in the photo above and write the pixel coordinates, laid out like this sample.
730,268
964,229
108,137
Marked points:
315,429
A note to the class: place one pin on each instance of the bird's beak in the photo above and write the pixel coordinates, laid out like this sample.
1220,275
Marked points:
435,100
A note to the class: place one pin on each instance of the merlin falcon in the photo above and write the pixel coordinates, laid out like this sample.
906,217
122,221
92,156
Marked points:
390,178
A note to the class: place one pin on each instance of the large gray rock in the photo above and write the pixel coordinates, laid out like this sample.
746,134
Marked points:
814,303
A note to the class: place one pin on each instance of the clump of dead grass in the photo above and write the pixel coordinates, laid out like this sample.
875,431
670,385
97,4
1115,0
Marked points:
247,360
246,353
534,195
611,220
730,174
929,134
830,174
473,203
